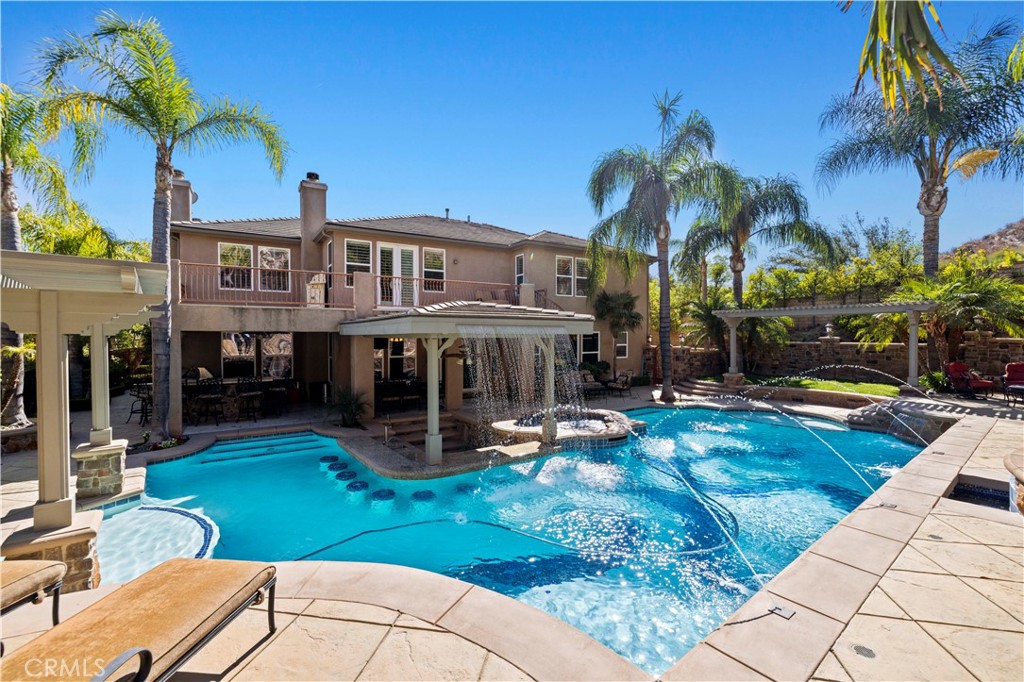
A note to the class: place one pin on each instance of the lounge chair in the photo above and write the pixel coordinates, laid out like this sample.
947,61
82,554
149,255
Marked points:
965,382
149,628
592,387
623,383
1013,382
23,581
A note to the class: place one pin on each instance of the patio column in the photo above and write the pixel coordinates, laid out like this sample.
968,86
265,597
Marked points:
549,427
733,323
433,441
176,418
914,318
56,504
99,363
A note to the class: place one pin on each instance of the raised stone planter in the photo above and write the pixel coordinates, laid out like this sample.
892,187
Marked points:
74,545
16,440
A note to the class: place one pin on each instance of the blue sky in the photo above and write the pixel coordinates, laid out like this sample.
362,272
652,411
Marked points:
499,110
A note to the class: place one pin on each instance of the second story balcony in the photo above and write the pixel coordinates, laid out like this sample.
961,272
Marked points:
208,284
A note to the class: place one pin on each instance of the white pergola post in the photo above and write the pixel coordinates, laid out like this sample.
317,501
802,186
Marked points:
914,318
549,426
733,323
101,433
433,441
56,505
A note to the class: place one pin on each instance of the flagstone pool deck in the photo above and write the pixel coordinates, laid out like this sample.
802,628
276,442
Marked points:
930,589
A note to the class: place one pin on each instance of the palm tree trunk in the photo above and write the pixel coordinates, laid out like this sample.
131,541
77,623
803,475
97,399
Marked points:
13,414
664,319
161,326
703,280
736,263
931,204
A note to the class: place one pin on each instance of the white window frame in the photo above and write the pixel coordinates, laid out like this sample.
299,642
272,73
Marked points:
346,272
571,275
579,348
287,270
576,277
220,280
443,270
519,268
330,262
622,344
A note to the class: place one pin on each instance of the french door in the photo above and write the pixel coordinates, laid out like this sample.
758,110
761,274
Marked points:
398,272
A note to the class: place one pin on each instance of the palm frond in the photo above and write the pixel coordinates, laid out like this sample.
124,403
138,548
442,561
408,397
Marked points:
223,122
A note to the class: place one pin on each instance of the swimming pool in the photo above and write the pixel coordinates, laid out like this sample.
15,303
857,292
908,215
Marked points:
630,544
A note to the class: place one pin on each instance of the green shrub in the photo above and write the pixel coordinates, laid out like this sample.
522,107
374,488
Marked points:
350,406
936,381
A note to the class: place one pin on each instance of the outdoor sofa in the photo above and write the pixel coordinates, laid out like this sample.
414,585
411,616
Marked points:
149,628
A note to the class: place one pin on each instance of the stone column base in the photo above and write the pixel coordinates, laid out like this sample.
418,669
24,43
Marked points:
100,468
75,545
733,379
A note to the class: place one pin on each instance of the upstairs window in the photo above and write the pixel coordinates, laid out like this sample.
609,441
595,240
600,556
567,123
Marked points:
582,273
274,266
520,268
433,269
357,259
236,266
563,276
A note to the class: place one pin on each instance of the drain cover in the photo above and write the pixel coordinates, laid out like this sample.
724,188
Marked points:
933,536
863,651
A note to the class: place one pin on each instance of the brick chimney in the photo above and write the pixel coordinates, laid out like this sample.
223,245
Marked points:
182,197
312,216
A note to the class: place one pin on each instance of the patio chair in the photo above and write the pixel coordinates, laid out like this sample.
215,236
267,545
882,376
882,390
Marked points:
210,401
965,382
1013,382
23,581
623,383
142,391
591,387
149,628
249,398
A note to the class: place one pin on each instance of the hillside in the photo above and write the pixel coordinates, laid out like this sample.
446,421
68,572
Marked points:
1010,237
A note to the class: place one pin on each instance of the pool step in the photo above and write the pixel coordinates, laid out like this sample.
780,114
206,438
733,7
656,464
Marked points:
704,388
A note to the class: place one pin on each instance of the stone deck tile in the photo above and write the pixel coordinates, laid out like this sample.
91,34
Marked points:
407,654
831,670
858,548
1004,535
894,524
988,654
813,583
945,599
704,663
973,561
933,528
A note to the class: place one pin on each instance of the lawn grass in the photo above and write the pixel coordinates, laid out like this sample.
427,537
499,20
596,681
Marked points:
863,387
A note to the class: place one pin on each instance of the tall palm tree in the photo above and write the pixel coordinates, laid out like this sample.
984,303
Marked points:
659,183
702,327
744,209
143,92
25,132
973,130
684,261
619,310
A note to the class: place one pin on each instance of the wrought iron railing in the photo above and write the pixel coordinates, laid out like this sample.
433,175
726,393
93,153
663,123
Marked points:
233,285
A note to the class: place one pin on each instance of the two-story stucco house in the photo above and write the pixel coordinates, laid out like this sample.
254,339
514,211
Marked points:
271,297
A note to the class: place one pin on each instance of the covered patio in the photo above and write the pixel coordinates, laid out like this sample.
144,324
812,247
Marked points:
913,310
439,327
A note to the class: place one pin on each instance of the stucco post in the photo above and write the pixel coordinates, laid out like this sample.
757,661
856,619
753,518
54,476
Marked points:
527,294
914,318
361,359
453,377
363,296
99,364
176,418
56,504
433,441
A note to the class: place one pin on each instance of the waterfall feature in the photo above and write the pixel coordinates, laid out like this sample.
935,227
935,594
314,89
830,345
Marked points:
520,372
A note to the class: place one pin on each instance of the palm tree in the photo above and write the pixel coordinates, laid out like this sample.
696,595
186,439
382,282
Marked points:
24,133
900,44
772,210
701,327
144,93
684,261
659,182
619,310
972,130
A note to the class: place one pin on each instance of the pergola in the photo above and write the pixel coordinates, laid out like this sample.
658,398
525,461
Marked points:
439,326
913,310
54,296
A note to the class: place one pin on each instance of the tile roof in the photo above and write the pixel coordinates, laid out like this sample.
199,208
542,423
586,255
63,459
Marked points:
282,228
434,226
556,239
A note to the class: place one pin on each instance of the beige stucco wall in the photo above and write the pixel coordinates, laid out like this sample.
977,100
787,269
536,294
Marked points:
202,248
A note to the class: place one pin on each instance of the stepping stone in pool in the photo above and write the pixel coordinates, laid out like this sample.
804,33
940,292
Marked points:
337,466
464,488
423,495
385,494
326,459
357,486
344,475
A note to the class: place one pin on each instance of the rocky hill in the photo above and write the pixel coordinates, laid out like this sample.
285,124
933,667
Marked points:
1010,237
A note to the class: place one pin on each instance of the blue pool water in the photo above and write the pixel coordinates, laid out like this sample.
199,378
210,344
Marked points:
629,544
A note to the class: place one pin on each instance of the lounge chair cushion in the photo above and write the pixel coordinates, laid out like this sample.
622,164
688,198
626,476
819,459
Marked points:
166,610
22,578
